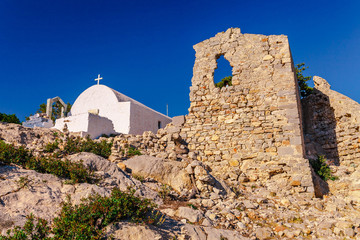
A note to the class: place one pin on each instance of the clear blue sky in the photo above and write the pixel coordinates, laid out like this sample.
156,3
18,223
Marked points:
144,48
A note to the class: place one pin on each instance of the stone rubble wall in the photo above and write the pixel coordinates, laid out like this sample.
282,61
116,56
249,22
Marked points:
331,124
253,127
165,144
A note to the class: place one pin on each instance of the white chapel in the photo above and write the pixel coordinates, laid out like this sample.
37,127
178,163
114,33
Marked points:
102,110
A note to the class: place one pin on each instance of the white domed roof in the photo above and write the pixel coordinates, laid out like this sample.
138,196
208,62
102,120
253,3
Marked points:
95,97
116,113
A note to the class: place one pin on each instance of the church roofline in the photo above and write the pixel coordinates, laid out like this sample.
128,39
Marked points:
123,98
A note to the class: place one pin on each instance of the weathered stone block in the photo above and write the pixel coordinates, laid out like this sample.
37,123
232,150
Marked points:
178,120
282,151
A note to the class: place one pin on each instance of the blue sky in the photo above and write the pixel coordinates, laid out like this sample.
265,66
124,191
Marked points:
144,48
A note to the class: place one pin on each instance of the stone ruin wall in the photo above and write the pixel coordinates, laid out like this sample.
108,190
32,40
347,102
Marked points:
252,128
331,125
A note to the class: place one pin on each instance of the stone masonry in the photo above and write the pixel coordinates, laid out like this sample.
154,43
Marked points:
253,127
331,124
254,130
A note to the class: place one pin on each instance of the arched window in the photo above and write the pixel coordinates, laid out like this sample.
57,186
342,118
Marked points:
223,73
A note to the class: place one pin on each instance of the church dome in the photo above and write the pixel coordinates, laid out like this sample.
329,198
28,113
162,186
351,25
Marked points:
102,110
96,97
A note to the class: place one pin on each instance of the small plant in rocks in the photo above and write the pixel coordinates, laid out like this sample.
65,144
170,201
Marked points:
322,169
192,206
51,147
139,177
133,152
88,219
75,172
76,145
164,191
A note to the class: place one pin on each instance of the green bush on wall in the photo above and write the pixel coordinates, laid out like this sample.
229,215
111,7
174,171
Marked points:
322,169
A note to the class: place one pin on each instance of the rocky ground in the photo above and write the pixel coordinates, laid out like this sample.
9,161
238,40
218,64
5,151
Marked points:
196,205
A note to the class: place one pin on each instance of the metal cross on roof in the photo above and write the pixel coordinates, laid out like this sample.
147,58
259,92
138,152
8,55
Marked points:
98,79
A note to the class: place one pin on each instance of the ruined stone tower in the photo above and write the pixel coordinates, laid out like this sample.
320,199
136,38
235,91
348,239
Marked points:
253,128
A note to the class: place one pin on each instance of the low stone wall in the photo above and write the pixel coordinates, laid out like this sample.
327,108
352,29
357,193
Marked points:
165,144
332,123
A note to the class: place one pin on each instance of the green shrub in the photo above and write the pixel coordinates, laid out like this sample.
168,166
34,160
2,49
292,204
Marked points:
192,206
322,169
30,230
133,151
51,147
226,81
102,148
139,177
10,154
304,88
72,145
130,151
88,219
164,191
76,172
76,145
9,118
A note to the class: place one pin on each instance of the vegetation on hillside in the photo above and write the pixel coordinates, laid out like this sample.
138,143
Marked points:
75,145
9,118
131,151
75,172
88,219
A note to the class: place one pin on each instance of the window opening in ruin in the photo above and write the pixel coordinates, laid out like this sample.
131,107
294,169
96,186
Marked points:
223,73
159,124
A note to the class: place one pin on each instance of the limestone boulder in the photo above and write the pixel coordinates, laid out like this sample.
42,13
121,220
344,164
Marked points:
132,231
112,175
193,215
170,229
19,135
26,191
164,171
209,233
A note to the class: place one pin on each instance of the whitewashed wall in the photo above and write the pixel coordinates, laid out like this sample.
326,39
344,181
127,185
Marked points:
77,123
99,125
143,119
104,99
86,124
125,114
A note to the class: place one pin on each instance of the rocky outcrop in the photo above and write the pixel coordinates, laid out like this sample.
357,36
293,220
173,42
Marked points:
187,178
169,230
167,172
25,191
236,161
34,138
